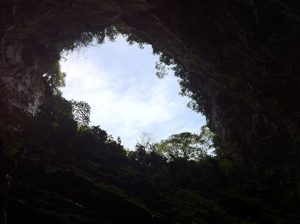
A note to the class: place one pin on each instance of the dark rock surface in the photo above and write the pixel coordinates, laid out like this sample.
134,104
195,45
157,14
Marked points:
244,54
63,197
32,204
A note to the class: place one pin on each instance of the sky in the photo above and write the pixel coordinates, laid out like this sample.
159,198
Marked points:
118,81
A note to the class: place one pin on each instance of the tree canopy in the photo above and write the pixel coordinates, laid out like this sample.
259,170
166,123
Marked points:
145,140
184,145
81,111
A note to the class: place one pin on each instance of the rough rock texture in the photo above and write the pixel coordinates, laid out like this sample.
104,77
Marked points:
245,54
74,203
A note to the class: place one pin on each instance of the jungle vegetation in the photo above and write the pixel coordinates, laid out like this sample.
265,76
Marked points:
184,182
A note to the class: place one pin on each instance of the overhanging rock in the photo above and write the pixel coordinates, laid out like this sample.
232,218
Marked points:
243,54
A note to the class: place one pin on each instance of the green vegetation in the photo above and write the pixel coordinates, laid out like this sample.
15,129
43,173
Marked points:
175,178
187,81
184,145
81,111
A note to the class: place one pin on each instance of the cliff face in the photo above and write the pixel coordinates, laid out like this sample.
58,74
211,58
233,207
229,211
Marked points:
245,54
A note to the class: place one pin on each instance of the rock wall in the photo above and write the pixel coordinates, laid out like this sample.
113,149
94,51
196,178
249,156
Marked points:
244,54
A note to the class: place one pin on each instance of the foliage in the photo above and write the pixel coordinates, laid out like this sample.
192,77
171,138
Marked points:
146,140
140,152
81,111
53,79
102,134
206,190
77,41
184,145
188,81
54,108
175,177
189,207
207,137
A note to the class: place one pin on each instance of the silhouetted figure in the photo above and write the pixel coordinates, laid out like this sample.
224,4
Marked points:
5,180
18,158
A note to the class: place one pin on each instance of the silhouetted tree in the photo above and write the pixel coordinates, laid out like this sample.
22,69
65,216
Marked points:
184,145
102,134
146,140
55,122
81,111
140,152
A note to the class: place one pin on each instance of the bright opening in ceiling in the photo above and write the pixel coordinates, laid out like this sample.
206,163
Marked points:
118,81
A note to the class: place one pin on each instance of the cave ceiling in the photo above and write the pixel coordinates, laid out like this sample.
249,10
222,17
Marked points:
244,54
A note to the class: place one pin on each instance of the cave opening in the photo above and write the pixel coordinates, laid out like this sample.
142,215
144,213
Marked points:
118,81
244,55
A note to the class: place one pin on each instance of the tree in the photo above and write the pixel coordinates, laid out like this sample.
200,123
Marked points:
140,152
81,111
188,80
146,140
119,140
86,140
102,134
54,108
53,79
207,138
184,145
155,160
55,121
117,152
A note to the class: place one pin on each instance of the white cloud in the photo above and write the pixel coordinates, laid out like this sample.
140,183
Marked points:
118,81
